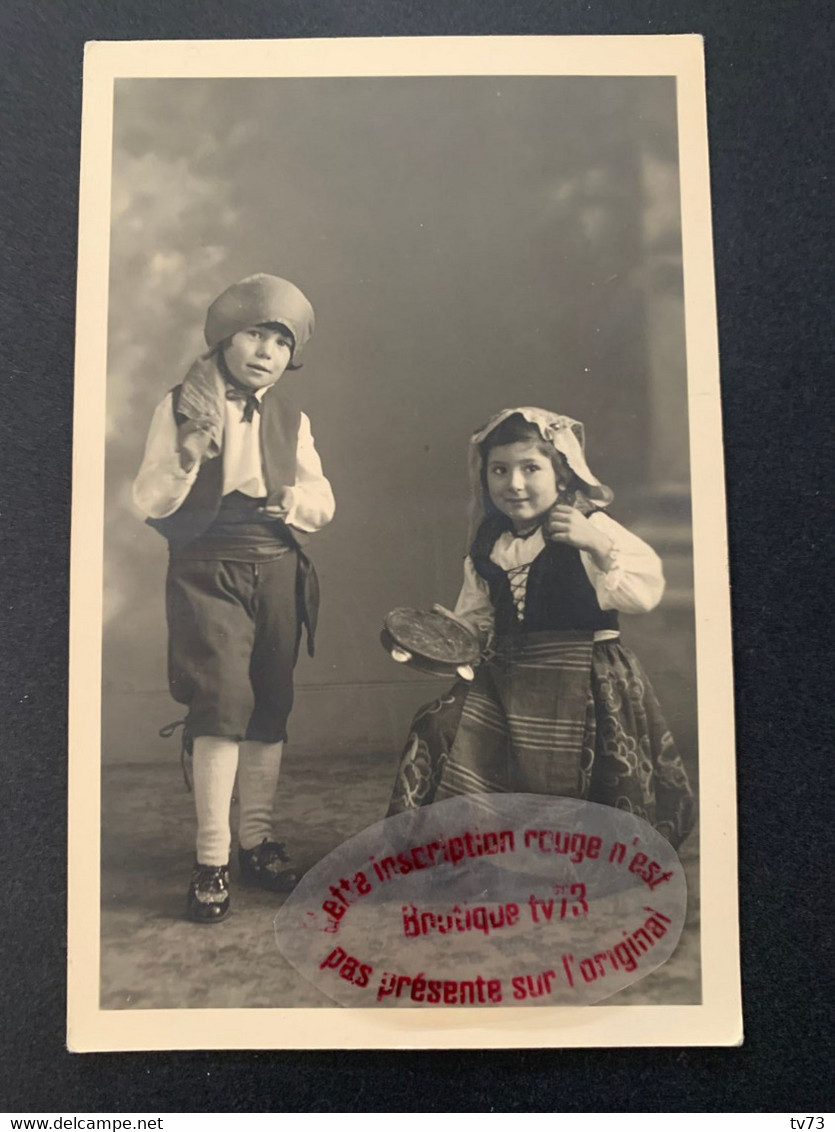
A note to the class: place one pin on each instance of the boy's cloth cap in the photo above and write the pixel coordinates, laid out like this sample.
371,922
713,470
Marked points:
256,300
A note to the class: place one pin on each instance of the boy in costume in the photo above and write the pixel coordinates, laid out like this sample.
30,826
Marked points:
232,479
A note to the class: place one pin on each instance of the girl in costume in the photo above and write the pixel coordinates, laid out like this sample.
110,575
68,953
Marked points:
558,704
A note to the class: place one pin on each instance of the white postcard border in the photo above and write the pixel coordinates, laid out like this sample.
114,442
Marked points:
717,1020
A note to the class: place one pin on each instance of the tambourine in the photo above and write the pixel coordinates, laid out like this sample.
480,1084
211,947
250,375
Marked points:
431,642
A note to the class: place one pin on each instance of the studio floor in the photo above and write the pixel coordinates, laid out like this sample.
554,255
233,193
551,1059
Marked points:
152,957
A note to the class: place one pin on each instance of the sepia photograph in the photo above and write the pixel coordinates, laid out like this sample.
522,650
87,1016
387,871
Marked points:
400,482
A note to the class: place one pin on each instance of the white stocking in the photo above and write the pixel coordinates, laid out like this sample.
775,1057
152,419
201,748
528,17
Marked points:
215,763
258,769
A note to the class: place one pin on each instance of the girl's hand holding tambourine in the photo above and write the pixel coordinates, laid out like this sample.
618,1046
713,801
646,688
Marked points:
435,642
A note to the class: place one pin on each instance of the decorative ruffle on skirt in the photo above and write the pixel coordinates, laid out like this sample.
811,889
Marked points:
551,713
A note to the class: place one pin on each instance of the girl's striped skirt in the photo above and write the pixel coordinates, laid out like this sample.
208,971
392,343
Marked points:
551,713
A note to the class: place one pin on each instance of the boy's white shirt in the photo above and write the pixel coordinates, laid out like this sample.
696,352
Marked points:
633,583
162,485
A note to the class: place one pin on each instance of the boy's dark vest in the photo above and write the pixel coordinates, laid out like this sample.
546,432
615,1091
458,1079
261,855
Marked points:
279,433
559,595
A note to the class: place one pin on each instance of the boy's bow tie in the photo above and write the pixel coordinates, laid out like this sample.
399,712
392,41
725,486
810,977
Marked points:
251,403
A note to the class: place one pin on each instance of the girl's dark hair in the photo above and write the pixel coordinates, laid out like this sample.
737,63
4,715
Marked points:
514,430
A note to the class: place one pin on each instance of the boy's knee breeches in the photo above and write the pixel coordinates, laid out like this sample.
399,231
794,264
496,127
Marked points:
233,641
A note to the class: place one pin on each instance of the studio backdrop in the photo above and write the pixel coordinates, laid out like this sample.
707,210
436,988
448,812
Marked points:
468,244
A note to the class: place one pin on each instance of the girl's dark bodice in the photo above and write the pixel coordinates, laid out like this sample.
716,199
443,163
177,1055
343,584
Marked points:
559,595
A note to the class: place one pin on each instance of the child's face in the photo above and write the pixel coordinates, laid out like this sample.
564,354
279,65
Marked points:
521,481
258,356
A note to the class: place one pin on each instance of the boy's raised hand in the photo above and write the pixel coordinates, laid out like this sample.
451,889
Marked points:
200,406
194,443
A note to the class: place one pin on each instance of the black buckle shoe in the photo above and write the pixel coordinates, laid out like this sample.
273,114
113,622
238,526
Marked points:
208,894
269,866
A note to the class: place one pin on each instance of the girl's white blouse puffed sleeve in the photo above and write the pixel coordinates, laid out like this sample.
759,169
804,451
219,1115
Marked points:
634,579
474,605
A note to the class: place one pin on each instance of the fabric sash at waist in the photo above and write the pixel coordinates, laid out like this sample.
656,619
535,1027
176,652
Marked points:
550,646
524,719
240,533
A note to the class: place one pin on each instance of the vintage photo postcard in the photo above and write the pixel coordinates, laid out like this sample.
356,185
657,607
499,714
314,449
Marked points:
400,695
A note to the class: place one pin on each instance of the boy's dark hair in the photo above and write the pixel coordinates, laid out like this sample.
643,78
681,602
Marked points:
221,346
285,330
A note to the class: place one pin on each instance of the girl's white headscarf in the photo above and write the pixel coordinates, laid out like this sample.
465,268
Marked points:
565,435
